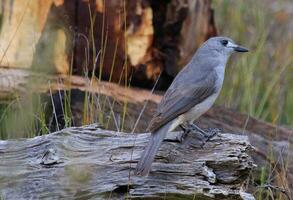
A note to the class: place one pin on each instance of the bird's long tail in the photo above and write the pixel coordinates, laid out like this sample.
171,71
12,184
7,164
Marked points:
144,165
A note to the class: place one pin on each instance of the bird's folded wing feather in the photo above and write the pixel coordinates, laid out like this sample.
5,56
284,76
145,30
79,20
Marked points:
180,99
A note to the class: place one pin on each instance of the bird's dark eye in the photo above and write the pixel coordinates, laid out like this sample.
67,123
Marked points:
224,42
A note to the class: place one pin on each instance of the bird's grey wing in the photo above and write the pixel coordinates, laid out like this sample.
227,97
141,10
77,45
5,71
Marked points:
180,99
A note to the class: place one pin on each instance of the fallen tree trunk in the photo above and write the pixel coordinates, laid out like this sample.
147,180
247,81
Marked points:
91,163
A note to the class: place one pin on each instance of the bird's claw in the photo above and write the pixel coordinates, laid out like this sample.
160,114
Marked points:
203,135
211,132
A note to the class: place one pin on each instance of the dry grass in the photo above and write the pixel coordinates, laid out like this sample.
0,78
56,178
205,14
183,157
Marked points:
260,82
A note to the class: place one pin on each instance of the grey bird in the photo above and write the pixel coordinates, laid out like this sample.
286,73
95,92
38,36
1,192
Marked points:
191,94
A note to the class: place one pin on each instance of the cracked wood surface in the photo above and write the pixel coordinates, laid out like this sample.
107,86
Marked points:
91,163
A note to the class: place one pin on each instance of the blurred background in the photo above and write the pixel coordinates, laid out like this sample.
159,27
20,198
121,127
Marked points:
259,84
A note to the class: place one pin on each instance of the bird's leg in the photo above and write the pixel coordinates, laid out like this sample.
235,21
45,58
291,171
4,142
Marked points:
194,127
185,130
205,137
189,127
183,127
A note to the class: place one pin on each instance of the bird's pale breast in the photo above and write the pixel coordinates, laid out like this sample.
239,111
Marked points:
204,106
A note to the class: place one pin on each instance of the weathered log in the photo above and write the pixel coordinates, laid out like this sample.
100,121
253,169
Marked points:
91,163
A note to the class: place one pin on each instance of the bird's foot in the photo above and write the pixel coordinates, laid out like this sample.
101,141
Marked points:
186,131
189,128
210,133
202,135
213,131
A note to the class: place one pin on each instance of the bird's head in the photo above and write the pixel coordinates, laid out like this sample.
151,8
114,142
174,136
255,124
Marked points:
223,45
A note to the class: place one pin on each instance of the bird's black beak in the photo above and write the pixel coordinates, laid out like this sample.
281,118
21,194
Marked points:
240,49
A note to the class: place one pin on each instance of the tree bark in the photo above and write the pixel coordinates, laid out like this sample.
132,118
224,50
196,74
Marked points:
118,40
88,162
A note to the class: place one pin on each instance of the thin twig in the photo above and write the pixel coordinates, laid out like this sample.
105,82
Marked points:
53,105
144,106
140,114
112,112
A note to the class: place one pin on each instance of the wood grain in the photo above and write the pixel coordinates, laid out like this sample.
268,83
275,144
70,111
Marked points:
91,163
